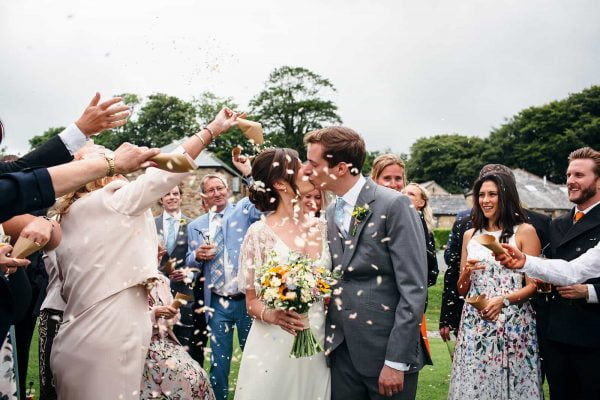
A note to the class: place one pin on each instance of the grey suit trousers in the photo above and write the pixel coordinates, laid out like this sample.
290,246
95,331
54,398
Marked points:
348,384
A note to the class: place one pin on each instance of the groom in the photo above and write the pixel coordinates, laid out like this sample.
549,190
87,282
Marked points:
376,240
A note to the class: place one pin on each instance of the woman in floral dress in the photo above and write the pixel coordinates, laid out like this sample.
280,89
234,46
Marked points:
496,353
170,372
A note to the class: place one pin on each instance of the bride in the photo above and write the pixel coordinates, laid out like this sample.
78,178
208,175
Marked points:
267,371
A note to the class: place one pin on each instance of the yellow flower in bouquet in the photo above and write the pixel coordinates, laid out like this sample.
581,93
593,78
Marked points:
295,286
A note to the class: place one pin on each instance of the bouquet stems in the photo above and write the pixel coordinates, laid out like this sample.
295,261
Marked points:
305,343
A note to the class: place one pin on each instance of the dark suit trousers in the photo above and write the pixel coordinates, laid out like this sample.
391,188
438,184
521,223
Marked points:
348,384
572,371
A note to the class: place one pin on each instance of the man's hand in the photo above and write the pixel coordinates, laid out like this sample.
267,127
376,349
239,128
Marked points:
573,291
39,230
391,381
513,260
445,333
166,312
225,120
129,158
98,117
179,275
206,252
9,264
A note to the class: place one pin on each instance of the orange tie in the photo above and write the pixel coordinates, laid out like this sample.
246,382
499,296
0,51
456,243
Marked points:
579,215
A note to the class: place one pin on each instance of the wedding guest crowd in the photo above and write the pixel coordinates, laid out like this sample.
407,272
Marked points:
128,303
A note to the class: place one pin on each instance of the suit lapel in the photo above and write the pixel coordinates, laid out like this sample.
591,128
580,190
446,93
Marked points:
159,223
589,221
335,242
365,198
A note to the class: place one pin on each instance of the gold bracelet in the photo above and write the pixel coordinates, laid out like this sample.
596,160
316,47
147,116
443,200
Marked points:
210,132
262,314
110,171
199,136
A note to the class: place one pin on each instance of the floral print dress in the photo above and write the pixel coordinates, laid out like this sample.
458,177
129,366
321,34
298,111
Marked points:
495,360
170,372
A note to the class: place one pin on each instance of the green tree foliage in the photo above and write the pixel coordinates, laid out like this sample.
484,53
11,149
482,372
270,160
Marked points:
453,161
37,141
539,139
292,104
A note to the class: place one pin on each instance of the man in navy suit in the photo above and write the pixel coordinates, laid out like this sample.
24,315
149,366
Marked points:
214,242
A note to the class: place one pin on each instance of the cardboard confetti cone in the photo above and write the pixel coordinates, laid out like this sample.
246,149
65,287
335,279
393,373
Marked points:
25,247
491,243
236,151
479,302
180,300
174,162
424,334
252,130
169,266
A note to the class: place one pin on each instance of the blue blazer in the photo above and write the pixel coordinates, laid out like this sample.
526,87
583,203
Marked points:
237,218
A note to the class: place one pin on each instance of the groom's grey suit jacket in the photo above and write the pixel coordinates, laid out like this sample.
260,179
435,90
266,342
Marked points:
378,303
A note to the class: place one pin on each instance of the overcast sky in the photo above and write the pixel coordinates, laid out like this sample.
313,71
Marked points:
403,69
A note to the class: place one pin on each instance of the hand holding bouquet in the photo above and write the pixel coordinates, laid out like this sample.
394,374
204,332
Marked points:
294,286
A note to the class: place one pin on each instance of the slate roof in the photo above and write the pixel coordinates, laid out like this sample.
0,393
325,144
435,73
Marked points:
538,193
448,204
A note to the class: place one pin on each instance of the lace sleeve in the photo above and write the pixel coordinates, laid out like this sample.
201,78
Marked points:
251,256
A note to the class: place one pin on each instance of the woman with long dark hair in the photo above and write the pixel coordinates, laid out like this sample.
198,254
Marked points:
496,353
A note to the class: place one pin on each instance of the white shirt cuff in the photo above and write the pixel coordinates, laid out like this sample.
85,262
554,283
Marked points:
73,138
592,295
400,366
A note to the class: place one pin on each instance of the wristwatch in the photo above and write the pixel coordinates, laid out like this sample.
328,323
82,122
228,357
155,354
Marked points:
505,301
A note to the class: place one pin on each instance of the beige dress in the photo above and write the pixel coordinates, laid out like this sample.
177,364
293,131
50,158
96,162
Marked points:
108,251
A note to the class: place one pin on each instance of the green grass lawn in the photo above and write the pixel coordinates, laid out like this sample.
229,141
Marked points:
433,379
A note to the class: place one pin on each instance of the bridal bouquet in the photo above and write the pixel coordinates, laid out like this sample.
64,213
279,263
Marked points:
294,286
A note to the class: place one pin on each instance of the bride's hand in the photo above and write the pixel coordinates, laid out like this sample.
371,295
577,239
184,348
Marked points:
289,321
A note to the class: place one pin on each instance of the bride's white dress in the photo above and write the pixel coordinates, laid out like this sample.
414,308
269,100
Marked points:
267,371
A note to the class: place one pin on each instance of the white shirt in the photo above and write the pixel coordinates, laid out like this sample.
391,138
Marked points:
231,283
592,295
73,138
350,199
562,272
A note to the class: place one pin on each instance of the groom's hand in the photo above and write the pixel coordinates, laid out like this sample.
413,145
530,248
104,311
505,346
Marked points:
391,381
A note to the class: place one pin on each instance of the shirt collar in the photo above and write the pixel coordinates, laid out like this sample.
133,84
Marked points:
166,216
351,196
587,210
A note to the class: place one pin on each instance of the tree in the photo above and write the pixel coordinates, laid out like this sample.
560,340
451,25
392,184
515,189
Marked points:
291,105
539,139
37,141
453,161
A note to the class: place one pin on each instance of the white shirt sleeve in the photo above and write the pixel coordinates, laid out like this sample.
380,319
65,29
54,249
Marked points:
73,138
592,295
562,272
397,365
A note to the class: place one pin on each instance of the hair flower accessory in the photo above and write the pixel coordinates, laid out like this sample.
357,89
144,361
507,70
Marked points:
359,213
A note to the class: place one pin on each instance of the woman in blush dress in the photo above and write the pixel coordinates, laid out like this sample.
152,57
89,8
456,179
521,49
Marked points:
496,354
267,372
107,260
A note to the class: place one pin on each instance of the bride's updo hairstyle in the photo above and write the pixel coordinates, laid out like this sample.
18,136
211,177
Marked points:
268,167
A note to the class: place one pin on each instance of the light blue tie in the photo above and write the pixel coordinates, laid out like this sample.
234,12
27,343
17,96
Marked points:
339,215
217,269
171,236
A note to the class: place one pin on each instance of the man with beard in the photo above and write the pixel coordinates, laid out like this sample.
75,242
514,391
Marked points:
572,341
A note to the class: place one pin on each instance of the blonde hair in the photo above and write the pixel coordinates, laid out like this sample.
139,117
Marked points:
384,161
427,211
64,203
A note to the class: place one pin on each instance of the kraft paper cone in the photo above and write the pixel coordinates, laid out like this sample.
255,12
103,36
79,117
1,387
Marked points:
174,162
491,243
169,266
252,130
236,151
180,300
24,248
479,302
